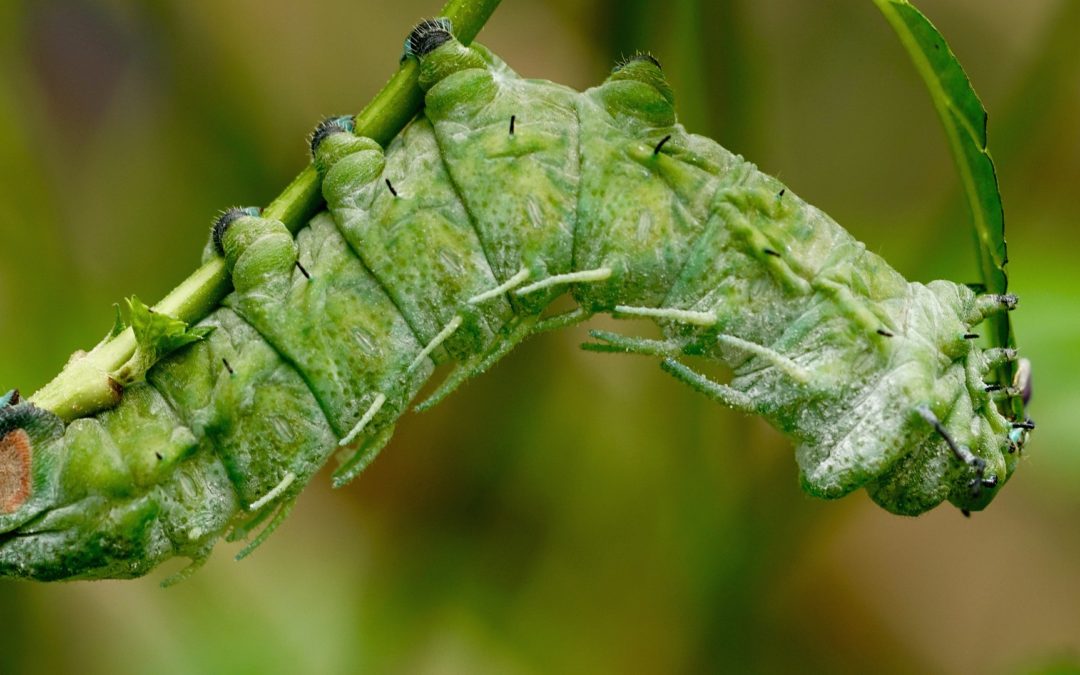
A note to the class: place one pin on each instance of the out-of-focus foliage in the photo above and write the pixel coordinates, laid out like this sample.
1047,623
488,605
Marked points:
569,512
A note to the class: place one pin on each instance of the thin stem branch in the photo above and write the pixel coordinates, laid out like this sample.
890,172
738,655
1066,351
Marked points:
84,386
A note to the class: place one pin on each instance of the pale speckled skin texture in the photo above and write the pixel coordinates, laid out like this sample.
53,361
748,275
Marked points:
329,335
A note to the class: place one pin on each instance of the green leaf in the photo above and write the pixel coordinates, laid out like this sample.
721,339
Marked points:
156,336
964,119
119,325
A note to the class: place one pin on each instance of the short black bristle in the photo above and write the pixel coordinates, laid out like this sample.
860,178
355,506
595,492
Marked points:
427,36
328,127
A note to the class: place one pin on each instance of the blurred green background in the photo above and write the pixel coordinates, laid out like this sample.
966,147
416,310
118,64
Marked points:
569,512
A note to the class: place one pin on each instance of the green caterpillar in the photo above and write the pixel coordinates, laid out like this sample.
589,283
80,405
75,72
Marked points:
448,247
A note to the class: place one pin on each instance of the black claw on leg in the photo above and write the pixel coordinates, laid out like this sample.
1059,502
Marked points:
1008,301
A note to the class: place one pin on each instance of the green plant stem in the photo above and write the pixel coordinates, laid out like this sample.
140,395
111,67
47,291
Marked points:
964,120
85,386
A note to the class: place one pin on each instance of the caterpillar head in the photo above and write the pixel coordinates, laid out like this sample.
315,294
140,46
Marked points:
971,443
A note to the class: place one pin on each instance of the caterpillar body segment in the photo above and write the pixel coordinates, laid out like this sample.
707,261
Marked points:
511,148
419,243
447,247
646,188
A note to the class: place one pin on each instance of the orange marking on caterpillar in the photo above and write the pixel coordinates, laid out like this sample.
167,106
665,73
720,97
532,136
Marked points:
15,451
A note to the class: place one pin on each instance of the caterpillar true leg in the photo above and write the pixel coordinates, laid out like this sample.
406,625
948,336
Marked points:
992,304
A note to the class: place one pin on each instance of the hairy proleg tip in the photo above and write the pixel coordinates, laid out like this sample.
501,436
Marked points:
223,221
15,456
427,36
328,127
634,58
